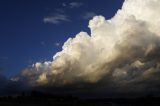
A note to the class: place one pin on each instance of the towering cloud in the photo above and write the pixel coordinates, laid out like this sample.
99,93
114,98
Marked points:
122,54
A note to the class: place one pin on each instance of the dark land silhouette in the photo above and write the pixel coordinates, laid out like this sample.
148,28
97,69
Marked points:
36,98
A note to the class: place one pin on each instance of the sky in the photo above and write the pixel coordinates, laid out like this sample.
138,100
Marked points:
85,47
34,30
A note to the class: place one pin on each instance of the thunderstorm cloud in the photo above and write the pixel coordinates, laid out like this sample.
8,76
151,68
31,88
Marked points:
121,55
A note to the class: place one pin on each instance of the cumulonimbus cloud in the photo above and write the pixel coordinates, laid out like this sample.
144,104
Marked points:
122,52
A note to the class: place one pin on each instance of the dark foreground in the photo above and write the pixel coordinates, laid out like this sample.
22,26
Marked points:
36,99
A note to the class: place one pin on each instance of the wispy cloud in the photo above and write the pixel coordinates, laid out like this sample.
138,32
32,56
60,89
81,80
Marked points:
88,15
64,4
56,19
59,10
57,44
43,43
72,4
75,4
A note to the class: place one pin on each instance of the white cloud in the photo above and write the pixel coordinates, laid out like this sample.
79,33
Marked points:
88,15
56,19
